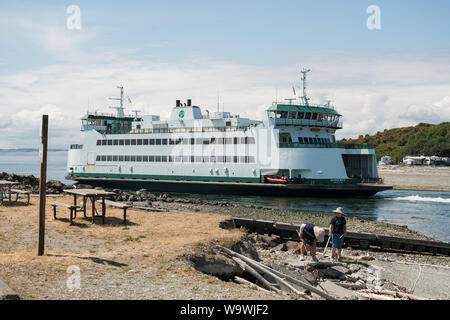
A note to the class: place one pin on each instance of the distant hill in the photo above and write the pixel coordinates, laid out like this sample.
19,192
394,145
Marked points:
423,139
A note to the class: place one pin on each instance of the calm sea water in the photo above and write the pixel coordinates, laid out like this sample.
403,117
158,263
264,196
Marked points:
427,212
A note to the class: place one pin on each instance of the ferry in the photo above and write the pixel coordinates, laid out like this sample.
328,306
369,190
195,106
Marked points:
291,152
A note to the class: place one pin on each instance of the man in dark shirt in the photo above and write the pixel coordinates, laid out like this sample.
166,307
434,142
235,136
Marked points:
337,232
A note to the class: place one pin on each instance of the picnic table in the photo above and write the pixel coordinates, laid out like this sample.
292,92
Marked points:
6,186
93,195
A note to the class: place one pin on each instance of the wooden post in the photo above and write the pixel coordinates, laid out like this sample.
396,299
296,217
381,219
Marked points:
43,183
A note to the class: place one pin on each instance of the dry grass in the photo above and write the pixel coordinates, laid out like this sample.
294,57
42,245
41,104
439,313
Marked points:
150,243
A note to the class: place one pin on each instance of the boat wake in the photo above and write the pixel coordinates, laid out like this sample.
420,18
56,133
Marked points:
418,198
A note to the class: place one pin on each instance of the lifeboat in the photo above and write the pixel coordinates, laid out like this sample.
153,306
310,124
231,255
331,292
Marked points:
277,180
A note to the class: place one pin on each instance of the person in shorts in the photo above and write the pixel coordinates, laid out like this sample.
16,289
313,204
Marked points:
337,232
309,234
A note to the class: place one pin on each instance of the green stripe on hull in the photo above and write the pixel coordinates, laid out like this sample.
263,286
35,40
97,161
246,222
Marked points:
202,178
166,177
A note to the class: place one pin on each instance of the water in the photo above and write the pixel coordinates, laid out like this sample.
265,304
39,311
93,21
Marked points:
427,212
27,162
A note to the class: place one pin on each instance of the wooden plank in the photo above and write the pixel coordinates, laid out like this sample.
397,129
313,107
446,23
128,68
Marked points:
65,205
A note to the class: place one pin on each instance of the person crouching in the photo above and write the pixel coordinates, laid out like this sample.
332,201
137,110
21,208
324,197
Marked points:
309,235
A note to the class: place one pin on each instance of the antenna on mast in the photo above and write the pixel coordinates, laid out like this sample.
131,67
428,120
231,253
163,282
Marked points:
304,98
120,113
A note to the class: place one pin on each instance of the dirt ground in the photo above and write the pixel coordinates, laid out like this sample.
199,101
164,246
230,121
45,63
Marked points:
113,261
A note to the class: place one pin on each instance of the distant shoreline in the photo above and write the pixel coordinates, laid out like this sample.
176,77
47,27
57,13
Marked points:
29,150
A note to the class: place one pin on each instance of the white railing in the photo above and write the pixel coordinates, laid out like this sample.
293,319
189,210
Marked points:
311,123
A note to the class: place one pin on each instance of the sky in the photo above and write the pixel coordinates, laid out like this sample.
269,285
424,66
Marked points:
249,53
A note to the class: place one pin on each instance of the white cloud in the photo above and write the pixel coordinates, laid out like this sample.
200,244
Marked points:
372,100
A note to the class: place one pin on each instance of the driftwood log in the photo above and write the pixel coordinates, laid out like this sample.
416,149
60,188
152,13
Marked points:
278,276
394,294
254,273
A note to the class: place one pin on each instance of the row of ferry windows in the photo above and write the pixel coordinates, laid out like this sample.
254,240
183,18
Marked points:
145,142
309,140
192,159
305,115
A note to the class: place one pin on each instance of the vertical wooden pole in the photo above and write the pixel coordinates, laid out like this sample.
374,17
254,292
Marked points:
43,183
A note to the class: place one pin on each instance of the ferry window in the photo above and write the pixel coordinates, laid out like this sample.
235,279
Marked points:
157,158
164,141
133,142
138,126
251,140
319,117
243,140
116,142
115,158
220,158
228,159
151,158
121,142
103,142
206,141
199,141
132,158
120,158
99,142
292,115
220,140
185,158
178,159
227,140
308,115
300,115
213,140
315,140
213,158
99,158
228,124
170,159
235,140
139,142
185,141
127,142
310,140
145,158
192,141
139,158
178,141
171,141
242,159
164,158
300,140
127,158
109,142
251,159
145,142
152,141
158,142
198,159
108,158
314,116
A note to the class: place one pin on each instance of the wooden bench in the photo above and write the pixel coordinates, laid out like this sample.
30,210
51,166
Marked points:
19,192
120,205
71,207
